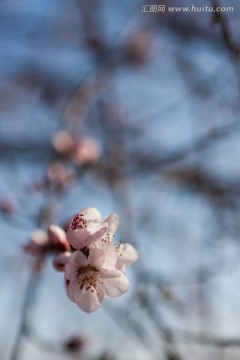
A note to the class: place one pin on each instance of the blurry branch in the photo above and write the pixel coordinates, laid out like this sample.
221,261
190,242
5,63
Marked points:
195,87
166,334
43,219
150,161
28,299
172,336
31,148
210,186
92,27
44,343
207,274
207,339
84,97
117,154
57,346
220,17
126,324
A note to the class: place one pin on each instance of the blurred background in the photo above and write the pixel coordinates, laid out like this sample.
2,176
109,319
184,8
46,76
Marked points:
104,105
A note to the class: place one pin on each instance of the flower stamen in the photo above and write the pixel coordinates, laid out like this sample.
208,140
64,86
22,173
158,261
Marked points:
87,278
78,222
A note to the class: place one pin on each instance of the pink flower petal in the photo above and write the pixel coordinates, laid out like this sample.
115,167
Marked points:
96,231
115,283
75,262
91,214
109,252
77,237
88,300
85,237
127,255
78,258
96,258
70,284
113,222
70,270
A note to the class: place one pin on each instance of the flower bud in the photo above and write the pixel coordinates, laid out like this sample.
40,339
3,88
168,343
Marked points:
58,238
87,151
63,142
60,261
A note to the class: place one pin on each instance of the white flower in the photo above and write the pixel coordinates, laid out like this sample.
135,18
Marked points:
88,282
86,228
126,255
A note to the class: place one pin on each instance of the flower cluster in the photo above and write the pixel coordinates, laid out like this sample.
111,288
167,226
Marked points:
94,266
95,269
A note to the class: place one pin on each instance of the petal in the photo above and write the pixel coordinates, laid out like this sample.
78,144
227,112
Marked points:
85,237
96,258
71,284
74,263
78,258
76,237
97,229
91,214
70,270
115,283
109,252
88,300
126,255
113,222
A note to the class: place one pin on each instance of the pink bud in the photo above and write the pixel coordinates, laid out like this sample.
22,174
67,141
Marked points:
87,151
58,238
63,142
60,261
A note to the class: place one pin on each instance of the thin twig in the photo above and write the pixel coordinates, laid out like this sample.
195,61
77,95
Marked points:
225,28
31,288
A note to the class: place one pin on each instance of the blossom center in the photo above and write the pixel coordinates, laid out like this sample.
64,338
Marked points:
88,277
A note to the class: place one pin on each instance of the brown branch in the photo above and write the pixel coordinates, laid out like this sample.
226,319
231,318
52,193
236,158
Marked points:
207,339
220,17
150,161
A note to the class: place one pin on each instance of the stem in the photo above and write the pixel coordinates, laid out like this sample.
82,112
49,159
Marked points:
28,299
226,30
